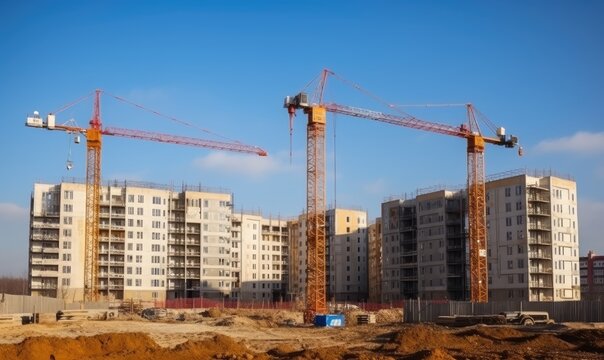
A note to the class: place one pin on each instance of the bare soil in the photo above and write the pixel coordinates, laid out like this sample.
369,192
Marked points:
270,335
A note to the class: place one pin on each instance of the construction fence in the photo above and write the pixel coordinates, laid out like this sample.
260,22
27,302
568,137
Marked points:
21,304
414,310
561,311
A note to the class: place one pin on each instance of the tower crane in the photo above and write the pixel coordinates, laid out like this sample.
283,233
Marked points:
94,134
315,286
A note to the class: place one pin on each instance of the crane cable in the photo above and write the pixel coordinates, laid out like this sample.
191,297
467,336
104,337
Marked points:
73,103
172,118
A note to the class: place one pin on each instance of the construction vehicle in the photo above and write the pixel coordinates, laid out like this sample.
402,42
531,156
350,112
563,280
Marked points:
316,112
94,134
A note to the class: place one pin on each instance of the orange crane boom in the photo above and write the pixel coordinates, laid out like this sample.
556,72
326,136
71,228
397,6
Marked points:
94,134
315,287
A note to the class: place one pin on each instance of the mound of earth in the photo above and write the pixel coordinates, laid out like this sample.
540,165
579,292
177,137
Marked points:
131,346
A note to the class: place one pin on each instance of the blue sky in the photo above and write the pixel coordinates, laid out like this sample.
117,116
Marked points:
534,67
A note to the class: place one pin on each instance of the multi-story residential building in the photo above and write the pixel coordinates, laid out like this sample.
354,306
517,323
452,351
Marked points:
346,255
533,237
260,257
441,254
374,263
592,276
532,242
154,242
423,245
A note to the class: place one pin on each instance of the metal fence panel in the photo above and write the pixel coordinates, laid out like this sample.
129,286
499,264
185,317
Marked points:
562,311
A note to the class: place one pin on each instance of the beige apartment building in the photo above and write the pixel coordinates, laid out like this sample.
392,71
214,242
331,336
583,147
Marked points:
533,237
532,240
154,242
346,255
260,257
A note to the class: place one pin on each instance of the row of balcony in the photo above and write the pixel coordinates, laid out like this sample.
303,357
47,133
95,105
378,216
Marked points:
112,275
49,237
112,239
111,250
43,225
44,249
113,215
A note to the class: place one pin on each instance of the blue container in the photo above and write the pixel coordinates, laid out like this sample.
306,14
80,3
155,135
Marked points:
330,320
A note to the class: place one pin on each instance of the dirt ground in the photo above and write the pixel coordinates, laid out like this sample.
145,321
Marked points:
279,335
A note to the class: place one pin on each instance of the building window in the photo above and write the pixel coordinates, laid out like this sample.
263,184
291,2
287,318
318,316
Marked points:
66,269
66,257
508,207
67,207
141,198
130,198
508,221
510,264
508,235
65,282
519,220
508,192
519,205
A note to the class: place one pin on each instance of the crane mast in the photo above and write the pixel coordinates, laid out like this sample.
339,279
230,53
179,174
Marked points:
315,205
93,192
477,241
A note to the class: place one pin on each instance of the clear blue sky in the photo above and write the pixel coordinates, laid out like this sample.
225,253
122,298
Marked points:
534,67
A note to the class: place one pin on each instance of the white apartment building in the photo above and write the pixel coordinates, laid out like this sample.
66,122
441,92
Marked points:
346,255
260,257
154,242
533,238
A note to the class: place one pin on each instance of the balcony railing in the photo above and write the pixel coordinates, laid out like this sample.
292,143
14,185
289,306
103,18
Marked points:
38,225
540,284
43,286
538,211
539,241
539,226
545,270
539,255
